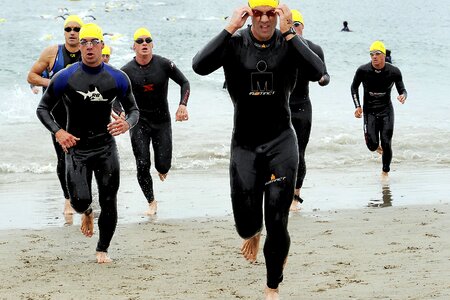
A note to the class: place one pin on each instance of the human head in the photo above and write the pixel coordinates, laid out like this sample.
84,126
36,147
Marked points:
297,18
72,26
91,44
378,54
106,54
345,23
143,42
264,18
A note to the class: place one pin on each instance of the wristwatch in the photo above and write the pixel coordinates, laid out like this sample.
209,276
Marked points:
290,31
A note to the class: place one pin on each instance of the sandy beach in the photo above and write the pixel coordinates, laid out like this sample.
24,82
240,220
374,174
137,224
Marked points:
389,253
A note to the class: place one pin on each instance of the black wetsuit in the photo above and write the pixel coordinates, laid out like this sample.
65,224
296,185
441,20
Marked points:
88,95
150,85
264,153
377,108
63,59
301,112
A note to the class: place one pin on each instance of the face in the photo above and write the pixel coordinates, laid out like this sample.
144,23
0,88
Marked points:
71,33
91,51
105,58
143,46
298,28
378,58
264,21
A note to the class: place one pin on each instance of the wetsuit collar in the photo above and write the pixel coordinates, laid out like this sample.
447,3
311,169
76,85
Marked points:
259,44
143,66
91,70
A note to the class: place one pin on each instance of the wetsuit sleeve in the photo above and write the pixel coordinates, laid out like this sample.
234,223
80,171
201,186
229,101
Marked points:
309,59
210,58
355,86
176,75
128,102
325,75
50,98
400,86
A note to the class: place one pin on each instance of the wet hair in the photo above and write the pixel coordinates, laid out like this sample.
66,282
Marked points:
345,23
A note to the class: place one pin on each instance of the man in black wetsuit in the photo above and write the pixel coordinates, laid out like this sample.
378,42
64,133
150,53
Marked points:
377,78
149,75
260,64
53,59
345,28
301,110
88,89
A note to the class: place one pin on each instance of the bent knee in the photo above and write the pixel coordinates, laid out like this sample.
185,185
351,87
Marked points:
80,205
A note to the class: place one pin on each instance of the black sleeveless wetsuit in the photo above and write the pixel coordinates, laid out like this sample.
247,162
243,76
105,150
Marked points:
88,95
63,59
264,153
301,112
150,86
377,108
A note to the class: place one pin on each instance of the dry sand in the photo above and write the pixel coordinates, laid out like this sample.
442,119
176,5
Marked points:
371,253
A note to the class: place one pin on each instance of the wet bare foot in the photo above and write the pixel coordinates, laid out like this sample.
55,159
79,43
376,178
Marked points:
152,208
271,294
250,247
162,176
294,206
87,224
68,218
380,150
384,176
68,210
102,257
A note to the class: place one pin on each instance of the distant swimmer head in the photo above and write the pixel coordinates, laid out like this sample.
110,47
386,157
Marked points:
377,46
297,17
73,19
91,30
345,23
142,32
106,50
256,3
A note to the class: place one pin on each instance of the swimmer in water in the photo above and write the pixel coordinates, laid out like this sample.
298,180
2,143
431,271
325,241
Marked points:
106,54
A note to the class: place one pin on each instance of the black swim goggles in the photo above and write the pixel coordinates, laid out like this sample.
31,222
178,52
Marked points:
141,40
69,29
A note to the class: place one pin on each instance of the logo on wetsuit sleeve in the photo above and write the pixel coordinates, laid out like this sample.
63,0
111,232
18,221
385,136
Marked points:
93,96
262,81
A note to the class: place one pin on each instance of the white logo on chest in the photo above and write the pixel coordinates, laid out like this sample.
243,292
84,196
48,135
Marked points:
93,96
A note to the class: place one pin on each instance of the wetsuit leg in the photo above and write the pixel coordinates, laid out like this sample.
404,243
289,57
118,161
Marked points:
107,175
162,146
386,133
371,131
301,119
140,141
61,166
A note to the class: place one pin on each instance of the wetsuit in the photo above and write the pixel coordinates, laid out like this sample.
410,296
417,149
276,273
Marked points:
63,59
150,86
301,112
264,153
88,94
378,110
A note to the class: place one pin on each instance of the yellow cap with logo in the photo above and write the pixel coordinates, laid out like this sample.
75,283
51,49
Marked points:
141,32
106,50
91,30
378,46
297,16
255,3
73,18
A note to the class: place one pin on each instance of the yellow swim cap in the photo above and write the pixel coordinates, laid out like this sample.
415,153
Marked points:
255,3
141,32
106,50
73,18
91,30
378,46
297,16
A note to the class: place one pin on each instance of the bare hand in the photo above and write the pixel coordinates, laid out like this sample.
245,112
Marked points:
65,139
358,112
285,17
401,98
182,113
238,19
118,126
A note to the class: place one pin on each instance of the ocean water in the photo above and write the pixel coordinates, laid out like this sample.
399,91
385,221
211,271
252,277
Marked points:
416,31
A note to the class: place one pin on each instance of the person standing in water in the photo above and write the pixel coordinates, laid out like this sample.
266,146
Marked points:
260,64
377,78
149,74
53,59
88,90
301,109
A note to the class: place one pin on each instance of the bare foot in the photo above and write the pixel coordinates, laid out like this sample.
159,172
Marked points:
68,209
380,150
162,176
102,257
250,247
271,294
384,176
294,206
152,208
87,224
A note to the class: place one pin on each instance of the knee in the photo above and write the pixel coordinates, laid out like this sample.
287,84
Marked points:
80,205
142,165
372,146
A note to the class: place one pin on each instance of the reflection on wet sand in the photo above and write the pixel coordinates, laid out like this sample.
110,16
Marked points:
386,199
